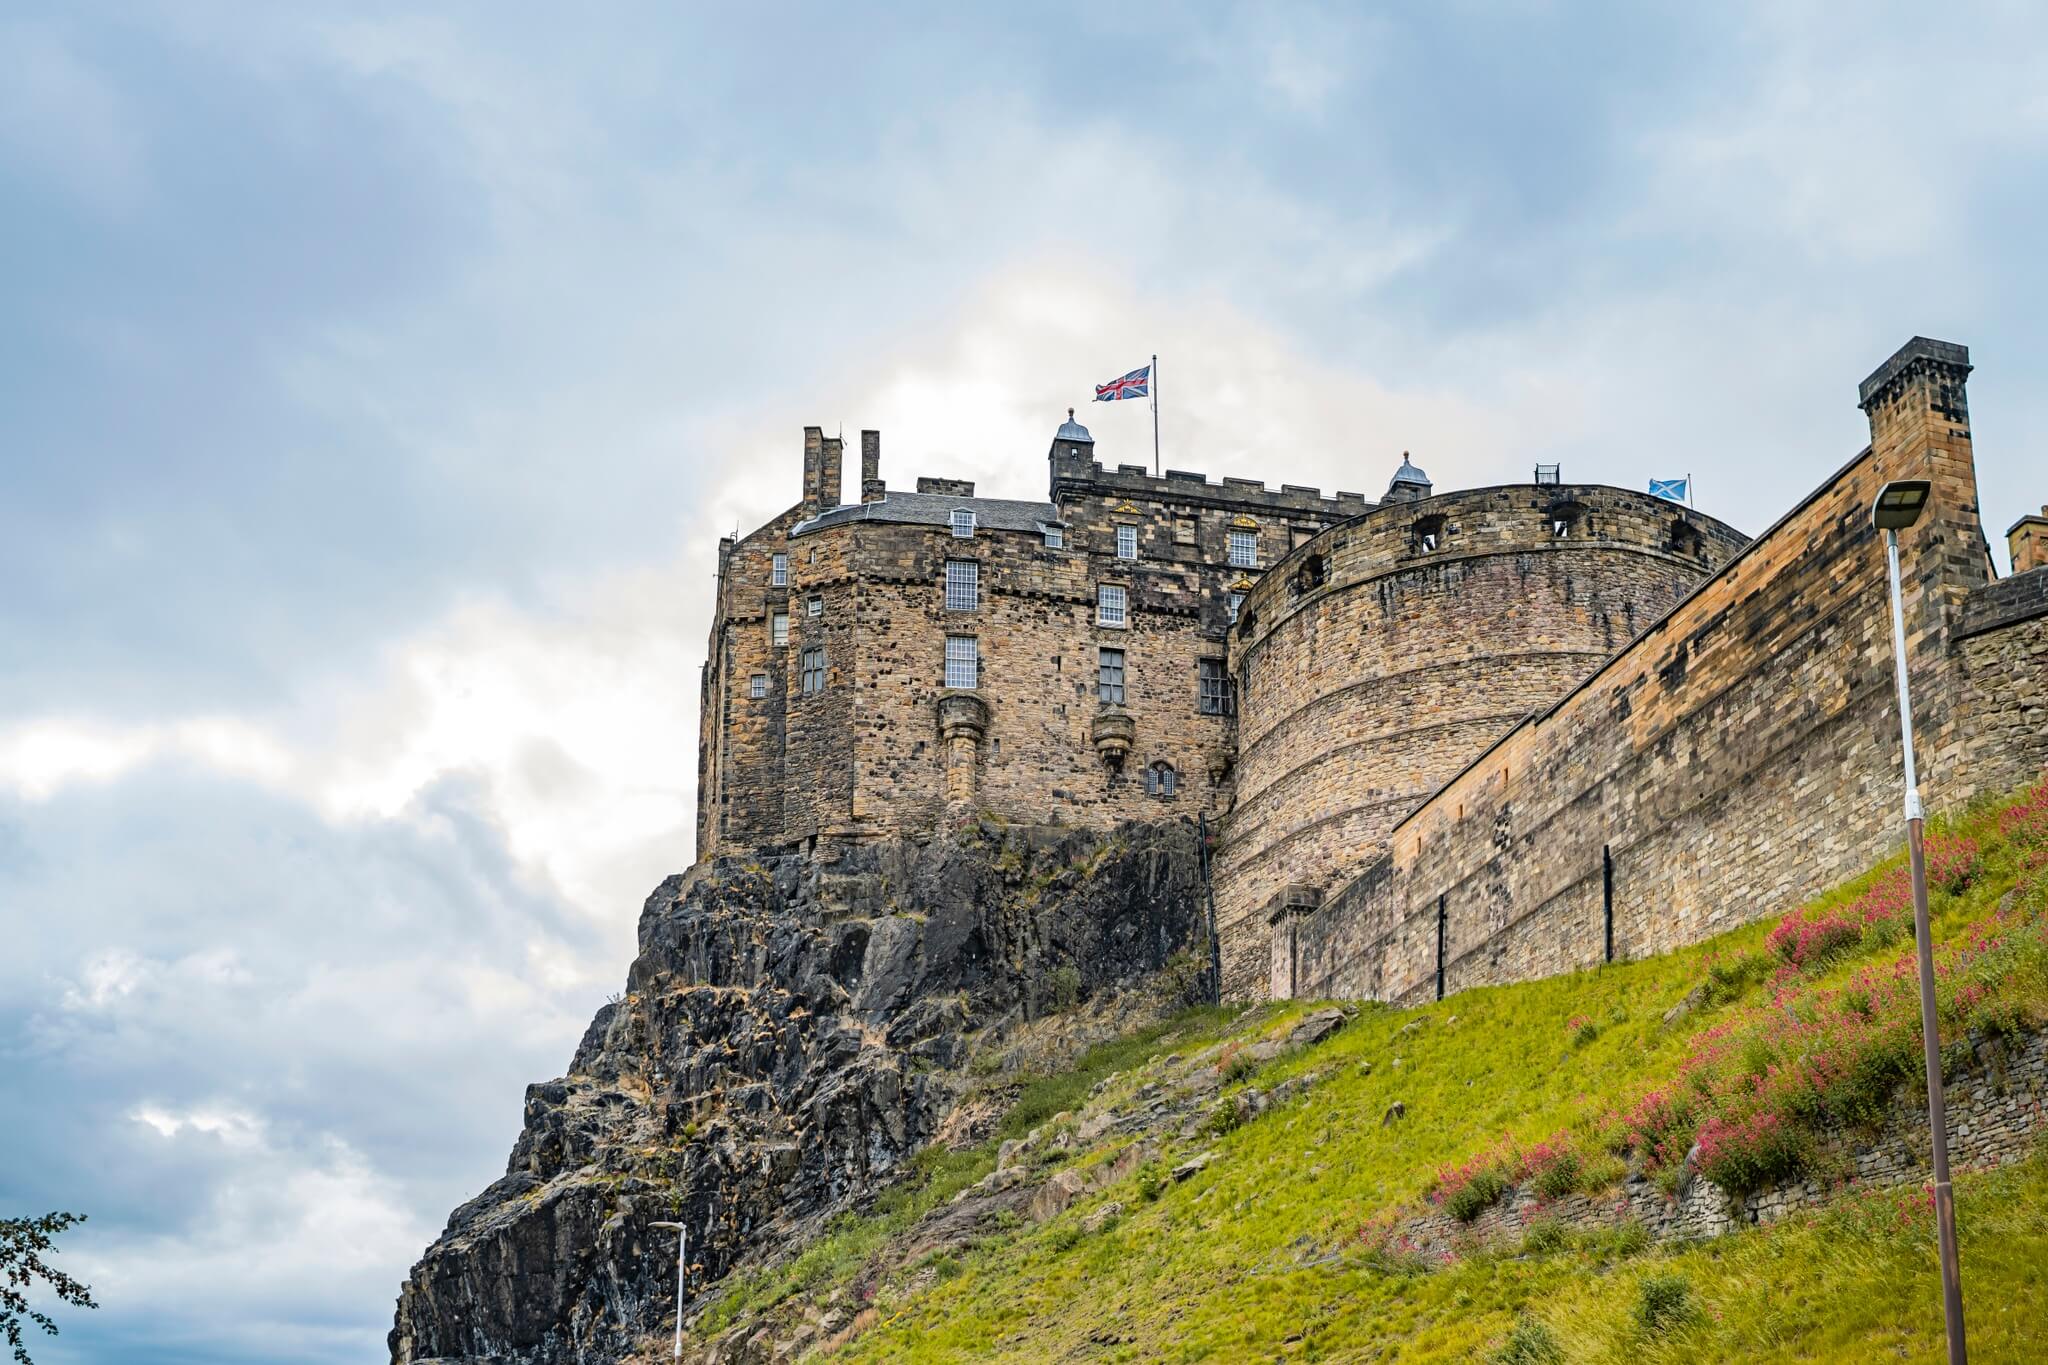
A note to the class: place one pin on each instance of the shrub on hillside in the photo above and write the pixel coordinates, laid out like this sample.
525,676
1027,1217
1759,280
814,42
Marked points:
1469,1190
1551,1167
1529,1343
1663,1302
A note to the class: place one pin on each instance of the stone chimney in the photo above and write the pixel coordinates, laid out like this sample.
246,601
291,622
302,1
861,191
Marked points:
814,460
828,472
872,489
952,488
2028,541
1919,415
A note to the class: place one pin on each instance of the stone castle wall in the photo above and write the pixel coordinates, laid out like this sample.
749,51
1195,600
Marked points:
1739,757
1379,657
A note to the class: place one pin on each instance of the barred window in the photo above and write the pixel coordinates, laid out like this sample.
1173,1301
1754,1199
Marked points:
778,570
963,661
1111,605
1244,549
757,686
1236,601
1055,536
778,628
1126,542
1160,779
963,585
813,670
963,522
1109,676
1212,693
814,606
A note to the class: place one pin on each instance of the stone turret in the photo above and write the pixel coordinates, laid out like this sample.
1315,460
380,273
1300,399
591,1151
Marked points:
1409,483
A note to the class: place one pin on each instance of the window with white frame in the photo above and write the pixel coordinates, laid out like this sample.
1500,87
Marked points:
778,570
812,672
1055,536
1112,605
814,606
1212,687
1236,601
963,522
963,585
1160,779
1109,677
1126,542
757,686
963,661
1244,549
778,628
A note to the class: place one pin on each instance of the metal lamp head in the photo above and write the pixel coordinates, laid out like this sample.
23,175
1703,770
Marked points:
1899,504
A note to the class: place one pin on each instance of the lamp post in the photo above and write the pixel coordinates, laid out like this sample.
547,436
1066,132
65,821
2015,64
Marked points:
1898,506
682,1276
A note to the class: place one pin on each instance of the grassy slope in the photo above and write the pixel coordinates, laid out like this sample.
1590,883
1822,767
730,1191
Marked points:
1214,1268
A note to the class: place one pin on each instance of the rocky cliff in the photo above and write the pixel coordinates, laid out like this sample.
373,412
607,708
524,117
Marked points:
791,1033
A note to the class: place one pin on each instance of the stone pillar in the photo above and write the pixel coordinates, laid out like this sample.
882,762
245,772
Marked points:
963,722
872,489
1284,916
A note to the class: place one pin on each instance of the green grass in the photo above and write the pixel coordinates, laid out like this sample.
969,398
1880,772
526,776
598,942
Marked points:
1268,1253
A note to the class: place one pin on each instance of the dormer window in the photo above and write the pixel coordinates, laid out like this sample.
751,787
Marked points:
963,523
1055,535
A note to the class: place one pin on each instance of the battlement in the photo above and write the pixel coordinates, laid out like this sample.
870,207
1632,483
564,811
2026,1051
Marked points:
1073,475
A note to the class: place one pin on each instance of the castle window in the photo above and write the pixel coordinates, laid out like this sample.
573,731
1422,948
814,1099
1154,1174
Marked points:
1109,677
1236,601
1160,779
963,661
1311,575
963,585
813,670
1212,693
1111,605
1055,536
778,570
1685,537
1126,542
814,606
963,523
757,686
1244,549
1560,527
1183,530
778,628
1429,532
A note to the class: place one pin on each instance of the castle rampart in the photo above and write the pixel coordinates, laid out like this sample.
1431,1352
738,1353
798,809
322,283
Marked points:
1738,757
1378,657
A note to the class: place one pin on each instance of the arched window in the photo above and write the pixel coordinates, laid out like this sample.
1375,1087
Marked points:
1160,779
1429,532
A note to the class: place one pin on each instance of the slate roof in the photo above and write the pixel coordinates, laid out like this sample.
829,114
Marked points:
936,509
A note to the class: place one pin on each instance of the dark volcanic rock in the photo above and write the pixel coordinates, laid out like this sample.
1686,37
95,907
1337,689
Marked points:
783,1047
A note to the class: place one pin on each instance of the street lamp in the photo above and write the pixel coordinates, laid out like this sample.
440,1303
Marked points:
683,1274
1898,506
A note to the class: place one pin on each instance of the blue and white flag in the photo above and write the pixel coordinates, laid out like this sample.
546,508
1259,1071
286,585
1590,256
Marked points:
1671,490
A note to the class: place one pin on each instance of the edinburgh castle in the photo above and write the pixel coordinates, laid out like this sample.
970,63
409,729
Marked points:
1440,739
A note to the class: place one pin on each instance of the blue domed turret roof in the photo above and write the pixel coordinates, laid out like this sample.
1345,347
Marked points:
1070,430
1408,473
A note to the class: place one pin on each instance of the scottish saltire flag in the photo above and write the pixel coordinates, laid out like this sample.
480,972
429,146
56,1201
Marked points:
1136,384
1671,490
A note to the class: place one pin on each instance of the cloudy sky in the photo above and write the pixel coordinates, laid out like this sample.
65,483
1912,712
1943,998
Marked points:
374,387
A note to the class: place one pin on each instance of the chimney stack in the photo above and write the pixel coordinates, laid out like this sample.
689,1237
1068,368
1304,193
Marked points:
2028,541
872,488
828,473
814,460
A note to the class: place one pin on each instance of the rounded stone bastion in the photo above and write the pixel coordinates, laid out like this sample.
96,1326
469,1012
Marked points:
1380,657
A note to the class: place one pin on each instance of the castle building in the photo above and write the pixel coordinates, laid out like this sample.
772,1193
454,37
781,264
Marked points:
1371,702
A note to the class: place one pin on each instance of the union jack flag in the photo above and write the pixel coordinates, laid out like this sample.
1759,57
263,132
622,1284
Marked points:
1136,384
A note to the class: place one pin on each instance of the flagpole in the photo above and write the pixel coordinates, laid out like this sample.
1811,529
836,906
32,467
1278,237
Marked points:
1688,490
1154,386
